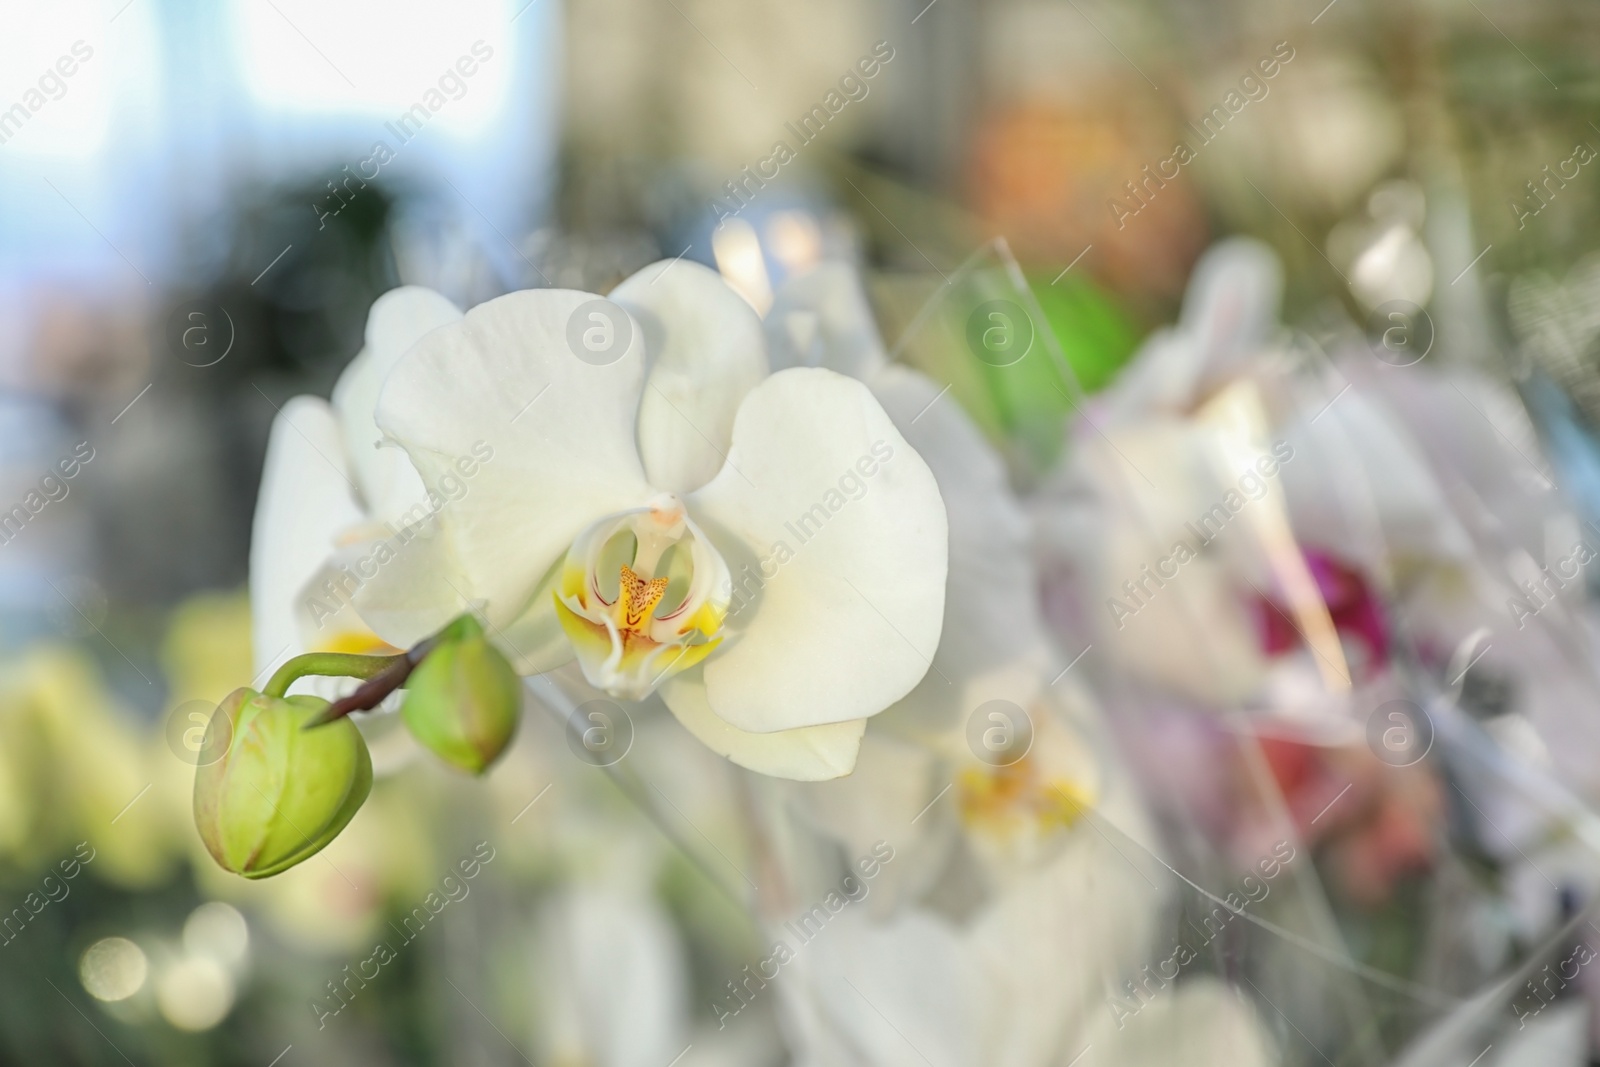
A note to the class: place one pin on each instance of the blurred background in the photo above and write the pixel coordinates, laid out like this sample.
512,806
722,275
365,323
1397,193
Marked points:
199,201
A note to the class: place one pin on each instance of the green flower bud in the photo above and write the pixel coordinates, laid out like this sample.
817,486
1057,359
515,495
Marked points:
281,792
463,700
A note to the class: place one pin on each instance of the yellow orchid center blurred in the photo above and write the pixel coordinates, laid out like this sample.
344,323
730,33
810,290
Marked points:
1019,797
356,643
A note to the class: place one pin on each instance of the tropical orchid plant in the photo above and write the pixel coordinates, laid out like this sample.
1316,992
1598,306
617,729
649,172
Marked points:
623,482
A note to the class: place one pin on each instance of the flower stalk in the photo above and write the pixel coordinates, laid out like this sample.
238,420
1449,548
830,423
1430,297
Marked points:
382,674
326,664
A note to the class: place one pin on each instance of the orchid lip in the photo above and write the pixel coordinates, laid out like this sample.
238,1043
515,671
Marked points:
619,575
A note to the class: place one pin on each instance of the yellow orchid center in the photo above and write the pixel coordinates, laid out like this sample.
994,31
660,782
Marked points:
1019,798
642,596
637,600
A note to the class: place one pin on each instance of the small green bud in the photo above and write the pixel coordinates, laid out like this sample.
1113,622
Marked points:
280,793
463,700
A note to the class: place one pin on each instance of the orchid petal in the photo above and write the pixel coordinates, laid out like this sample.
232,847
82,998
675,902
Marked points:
1194,634
411,585
552,434
1355,451
1229,312
1231,306
305,500
1212,1024
807,754
611,978
945,1001
991,612
706,351
850,616
535,641
1037,923
398,319
894,793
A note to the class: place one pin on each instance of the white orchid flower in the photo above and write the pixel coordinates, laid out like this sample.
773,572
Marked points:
327,484
764,549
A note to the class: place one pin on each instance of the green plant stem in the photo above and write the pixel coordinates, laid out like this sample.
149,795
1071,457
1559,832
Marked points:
332,664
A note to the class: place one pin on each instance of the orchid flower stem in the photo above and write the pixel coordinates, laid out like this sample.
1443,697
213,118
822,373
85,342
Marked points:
331,664
382,674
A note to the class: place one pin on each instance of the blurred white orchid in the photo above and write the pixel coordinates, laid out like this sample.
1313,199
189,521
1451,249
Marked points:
972,945
611,979
1230,314
1023,986
1117,512
608,957
1004,918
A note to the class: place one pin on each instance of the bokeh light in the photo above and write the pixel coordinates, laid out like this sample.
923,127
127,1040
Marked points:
194,993
113,969
219,931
